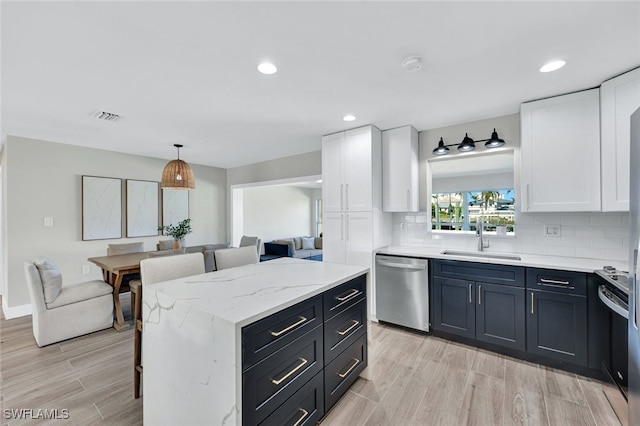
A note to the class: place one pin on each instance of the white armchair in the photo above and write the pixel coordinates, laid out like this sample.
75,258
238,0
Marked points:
63,312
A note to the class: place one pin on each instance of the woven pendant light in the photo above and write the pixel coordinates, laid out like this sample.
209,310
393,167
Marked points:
177,174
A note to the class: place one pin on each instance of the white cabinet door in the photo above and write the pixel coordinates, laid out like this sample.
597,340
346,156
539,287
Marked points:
400,170
359,237
619,98
357,168
561,153
333,237
332,179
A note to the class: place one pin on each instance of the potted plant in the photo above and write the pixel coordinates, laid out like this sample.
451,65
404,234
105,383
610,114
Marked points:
178,231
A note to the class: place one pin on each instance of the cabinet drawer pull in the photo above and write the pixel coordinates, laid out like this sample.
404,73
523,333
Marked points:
356,361
546,281
305,413
532,303
294,325
351,327
352,293
286,376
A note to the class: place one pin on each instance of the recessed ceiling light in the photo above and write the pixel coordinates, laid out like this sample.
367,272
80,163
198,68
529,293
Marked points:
349,117
267,68
552,66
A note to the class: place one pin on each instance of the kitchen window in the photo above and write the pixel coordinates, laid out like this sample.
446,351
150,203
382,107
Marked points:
459,211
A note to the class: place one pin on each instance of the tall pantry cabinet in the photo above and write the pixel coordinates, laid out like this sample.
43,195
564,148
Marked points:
353,221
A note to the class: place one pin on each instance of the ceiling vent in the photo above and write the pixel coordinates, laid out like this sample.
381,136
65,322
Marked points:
107,116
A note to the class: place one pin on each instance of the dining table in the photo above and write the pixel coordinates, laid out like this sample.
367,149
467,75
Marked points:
114,268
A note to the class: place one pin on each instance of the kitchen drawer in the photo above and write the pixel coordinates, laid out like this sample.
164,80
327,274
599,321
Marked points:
344,329
305,407
344,295
264,337
340,374
269,383
557,281
488,273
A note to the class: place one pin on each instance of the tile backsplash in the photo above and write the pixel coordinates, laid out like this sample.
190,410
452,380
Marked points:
590,235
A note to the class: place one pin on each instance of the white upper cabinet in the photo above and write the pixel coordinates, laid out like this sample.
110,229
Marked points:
400,173
560,148
619,98
347,180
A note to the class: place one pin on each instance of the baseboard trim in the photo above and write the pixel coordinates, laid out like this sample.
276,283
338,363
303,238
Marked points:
16,311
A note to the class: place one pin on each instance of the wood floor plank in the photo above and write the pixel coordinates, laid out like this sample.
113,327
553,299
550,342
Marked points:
483,401
601,409
566,413
563,385
442,401
524,396
352,409
489,363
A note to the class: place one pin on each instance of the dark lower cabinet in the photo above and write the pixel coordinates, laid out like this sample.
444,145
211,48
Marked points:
297,363
489,312
500,315
453,308
557,326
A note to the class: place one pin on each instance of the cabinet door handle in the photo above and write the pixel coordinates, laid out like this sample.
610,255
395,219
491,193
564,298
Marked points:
351,327
292,326
526,198
290,373
555,282
341,227
480,294
352,293
470,285
347,226
531,303
342,196
346,203
346,373
408,199
305,413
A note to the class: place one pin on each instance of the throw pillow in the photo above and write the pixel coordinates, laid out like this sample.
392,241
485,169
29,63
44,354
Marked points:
308,243
318,242
298,242
51,278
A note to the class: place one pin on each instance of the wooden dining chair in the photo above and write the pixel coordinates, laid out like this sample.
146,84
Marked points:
157,268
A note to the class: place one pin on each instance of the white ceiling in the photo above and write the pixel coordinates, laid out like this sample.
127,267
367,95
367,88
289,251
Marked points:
185,72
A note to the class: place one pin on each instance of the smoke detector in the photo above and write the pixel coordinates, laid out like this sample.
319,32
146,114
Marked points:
107,116
412,63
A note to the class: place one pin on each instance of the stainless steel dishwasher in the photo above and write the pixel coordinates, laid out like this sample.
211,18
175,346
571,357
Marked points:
402,291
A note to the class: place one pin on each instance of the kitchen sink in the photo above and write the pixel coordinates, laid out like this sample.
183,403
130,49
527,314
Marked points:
482,254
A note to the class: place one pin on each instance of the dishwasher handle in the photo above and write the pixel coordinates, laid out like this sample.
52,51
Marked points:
410,266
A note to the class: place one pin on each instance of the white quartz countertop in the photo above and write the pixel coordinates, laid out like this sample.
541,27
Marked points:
246,294
529,260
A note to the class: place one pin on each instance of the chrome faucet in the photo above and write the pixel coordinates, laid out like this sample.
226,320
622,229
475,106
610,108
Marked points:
479,229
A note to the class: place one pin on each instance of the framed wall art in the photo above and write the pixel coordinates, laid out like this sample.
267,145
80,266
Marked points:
101,208
175,206
142,208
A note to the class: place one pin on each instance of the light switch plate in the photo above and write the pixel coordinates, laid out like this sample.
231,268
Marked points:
86,269
552,230
48,221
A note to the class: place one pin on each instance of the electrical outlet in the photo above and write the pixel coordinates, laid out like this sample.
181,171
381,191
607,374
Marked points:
552,230
48,221
86,269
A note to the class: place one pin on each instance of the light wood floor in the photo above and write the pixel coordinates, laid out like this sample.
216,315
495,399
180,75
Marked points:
416,380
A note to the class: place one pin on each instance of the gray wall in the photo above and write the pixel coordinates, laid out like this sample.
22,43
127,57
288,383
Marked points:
44,179
308,164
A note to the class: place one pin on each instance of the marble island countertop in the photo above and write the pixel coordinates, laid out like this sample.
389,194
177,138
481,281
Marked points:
192,338
244,295
576,264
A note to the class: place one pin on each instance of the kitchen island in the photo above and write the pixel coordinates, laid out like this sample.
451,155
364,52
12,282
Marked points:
193,333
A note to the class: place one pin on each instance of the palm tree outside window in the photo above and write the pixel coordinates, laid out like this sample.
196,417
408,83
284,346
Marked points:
459,211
